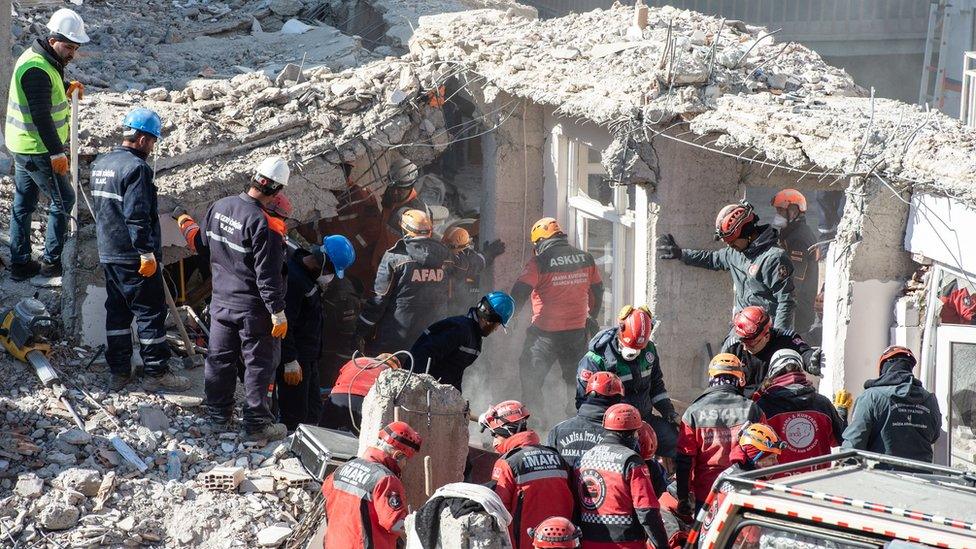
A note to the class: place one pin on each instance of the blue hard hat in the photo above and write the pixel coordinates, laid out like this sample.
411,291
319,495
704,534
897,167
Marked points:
501,304
340,252
144,120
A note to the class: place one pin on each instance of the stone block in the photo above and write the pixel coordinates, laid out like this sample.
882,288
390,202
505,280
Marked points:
153,418
85,481
222,479
29,486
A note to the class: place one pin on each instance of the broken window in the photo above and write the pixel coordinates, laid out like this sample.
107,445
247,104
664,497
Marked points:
956,366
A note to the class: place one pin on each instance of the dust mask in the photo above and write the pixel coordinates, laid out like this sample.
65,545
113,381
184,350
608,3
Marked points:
629,354
779,221
325,280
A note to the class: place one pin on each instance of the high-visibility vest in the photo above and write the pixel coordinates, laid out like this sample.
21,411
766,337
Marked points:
20,132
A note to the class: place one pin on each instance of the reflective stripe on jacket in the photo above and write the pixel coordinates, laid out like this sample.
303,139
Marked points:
21,133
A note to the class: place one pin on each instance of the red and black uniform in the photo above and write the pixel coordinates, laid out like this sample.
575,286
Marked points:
958,305
364,503
709,430
565,287
618,508
356,378
801,416
533,483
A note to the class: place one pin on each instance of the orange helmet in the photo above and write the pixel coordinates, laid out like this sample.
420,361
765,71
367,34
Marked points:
731,220
401,437
761,437
546,227
555,533
635,326
457,239
622,417
416,223
506,418
727,364
893,351
605,384
390,360
647,440
789,197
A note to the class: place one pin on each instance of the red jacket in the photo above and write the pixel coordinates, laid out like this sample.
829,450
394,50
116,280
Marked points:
366,488
533,482
357,376
618,508
565,286
357,221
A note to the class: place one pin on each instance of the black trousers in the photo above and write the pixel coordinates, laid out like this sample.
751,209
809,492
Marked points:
542,349
299,403
130,295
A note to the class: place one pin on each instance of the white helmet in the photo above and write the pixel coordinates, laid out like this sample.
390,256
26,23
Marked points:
784,361
68,24
274,168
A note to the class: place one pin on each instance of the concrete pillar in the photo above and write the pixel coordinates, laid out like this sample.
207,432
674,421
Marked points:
437,412
692,306
6,60
866,270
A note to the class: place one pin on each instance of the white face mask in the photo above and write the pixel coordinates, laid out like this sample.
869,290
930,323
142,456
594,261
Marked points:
325,280
779,221
629,354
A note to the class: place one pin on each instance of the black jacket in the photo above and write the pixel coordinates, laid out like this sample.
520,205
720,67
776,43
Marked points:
410,288
798,239
452,345
574,436
757,366
895,416
340,304
303,306
124,195
247,255
762,275
465,282
37,89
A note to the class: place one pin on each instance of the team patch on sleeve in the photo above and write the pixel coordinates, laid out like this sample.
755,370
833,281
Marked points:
395,500
585,375
783,271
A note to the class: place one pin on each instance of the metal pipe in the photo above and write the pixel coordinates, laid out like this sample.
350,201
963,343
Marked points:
73,137
190,351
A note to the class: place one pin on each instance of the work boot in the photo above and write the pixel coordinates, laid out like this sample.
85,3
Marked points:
269,432
117,382
51,270
24,271
166,382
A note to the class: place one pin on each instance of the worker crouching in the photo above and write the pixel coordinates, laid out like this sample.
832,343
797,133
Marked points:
344,408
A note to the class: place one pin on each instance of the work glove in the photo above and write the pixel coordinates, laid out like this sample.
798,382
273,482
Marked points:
686,509
76,85
280,325
59,164
293,373
178,212
147,265
843,401
667,248
493,249
816,362
674,420
189,228
483,421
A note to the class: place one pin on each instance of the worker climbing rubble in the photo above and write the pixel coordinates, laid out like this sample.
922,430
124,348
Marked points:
343,409
37,128
532,480
410,287
798,239
566,290
618,507
247,310
130,252
762,273
755,341
627,350
469,264
364,504
451,345
708,430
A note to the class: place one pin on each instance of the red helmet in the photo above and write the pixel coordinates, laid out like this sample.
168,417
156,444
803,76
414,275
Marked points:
647,439
622,417
635,326
789,197
401,437
555,533
605,384
280,206
731,220
751,323
893,351
506,415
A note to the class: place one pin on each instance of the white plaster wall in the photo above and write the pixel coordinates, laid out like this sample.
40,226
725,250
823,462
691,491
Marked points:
941,228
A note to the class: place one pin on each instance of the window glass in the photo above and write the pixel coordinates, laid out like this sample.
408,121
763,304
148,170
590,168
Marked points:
599,189
599,242
962,405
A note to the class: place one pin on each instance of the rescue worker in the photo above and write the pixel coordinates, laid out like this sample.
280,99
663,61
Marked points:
343,410
532,480
756,341
247,309
647,448
806,420
574,436
627,350
38,117
567,292
468,265
130,249
895,415
708,430
762,273
340,302
797,238
453,344
555,533
399,197
616,495
364,504
298,384
410,287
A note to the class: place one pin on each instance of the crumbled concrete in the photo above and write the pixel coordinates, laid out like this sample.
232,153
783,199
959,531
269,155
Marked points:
74,436
479,530
29,486
153,418
86,481
58,516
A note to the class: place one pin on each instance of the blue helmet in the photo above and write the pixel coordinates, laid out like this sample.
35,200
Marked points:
144,120
340,252
498,307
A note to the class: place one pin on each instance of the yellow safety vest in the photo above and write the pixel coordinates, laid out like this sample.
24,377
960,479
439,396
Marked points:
20,132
